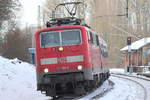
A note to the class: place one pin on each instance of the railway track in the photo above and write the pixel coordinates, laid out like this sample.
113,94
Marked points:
134,79
139,77
67,97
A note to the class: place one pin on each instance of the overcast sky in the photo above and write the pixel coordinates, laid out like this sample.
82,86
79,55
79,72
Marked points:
30,11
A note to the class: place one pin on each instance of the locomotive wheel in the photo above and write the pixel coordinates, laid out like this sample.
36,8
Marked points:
50,92
54,98
80,90
88,86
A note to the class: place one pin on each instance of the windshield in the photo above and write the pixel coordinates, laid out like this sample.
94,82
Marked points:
60,38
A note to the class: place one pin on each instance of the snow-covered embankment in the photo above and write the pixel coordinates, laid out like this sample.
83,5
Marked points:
18,81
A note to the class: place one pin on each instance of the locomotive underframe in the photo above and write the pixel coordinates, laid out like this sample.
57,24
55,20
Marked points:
55,84
69,82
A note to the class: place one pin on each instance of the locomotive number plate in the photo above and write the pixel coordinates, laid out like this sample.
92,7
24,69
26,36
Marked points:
62,60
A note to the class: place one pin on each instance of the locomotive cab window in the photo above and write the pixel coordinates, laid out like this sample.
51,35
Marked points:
50,39
71,37
60,38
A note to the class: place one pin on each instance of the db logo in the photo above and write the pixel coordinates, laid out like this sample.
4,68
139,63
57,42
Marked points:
62,60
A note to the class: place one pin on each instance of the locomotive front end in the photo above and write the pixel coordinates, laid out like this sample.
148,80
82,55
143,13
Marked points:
60,59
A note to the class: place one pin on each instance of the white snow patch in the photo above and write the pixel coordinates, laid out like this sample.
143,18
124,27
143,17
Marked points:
18,81
124,90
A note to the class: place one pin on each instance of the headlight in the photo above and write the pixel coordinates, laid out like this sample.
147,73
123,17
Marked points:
61,49
46,70
79,67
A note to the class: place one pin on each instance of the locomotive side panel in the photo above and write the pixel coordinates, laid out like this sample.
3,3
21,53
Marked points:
96,53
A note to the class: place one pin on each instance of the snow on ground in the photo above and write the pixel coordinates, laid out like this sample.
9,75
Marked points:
145,84
124,90
18,81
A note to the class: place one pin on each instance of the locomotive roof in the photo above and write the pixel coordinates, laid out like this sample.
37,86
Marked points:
61,28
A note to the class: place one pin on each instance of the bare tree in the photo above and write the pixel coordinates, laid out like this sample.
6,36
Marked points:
7,9
16,44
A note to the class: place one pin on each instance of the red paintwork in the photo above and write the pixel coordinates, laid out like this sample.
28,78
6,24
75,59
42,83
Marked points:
91,53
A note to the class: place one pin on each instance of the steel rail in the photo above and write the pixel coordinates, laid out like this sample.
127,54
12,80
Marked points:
127,78
138,77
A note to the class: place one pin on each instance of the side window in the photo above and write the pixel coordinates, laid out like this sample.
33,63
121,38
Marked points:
97,40
94,38
91,37
104,50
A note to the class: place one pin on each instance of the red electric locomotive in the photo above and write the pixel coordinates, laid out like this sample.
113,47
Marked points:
70,58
